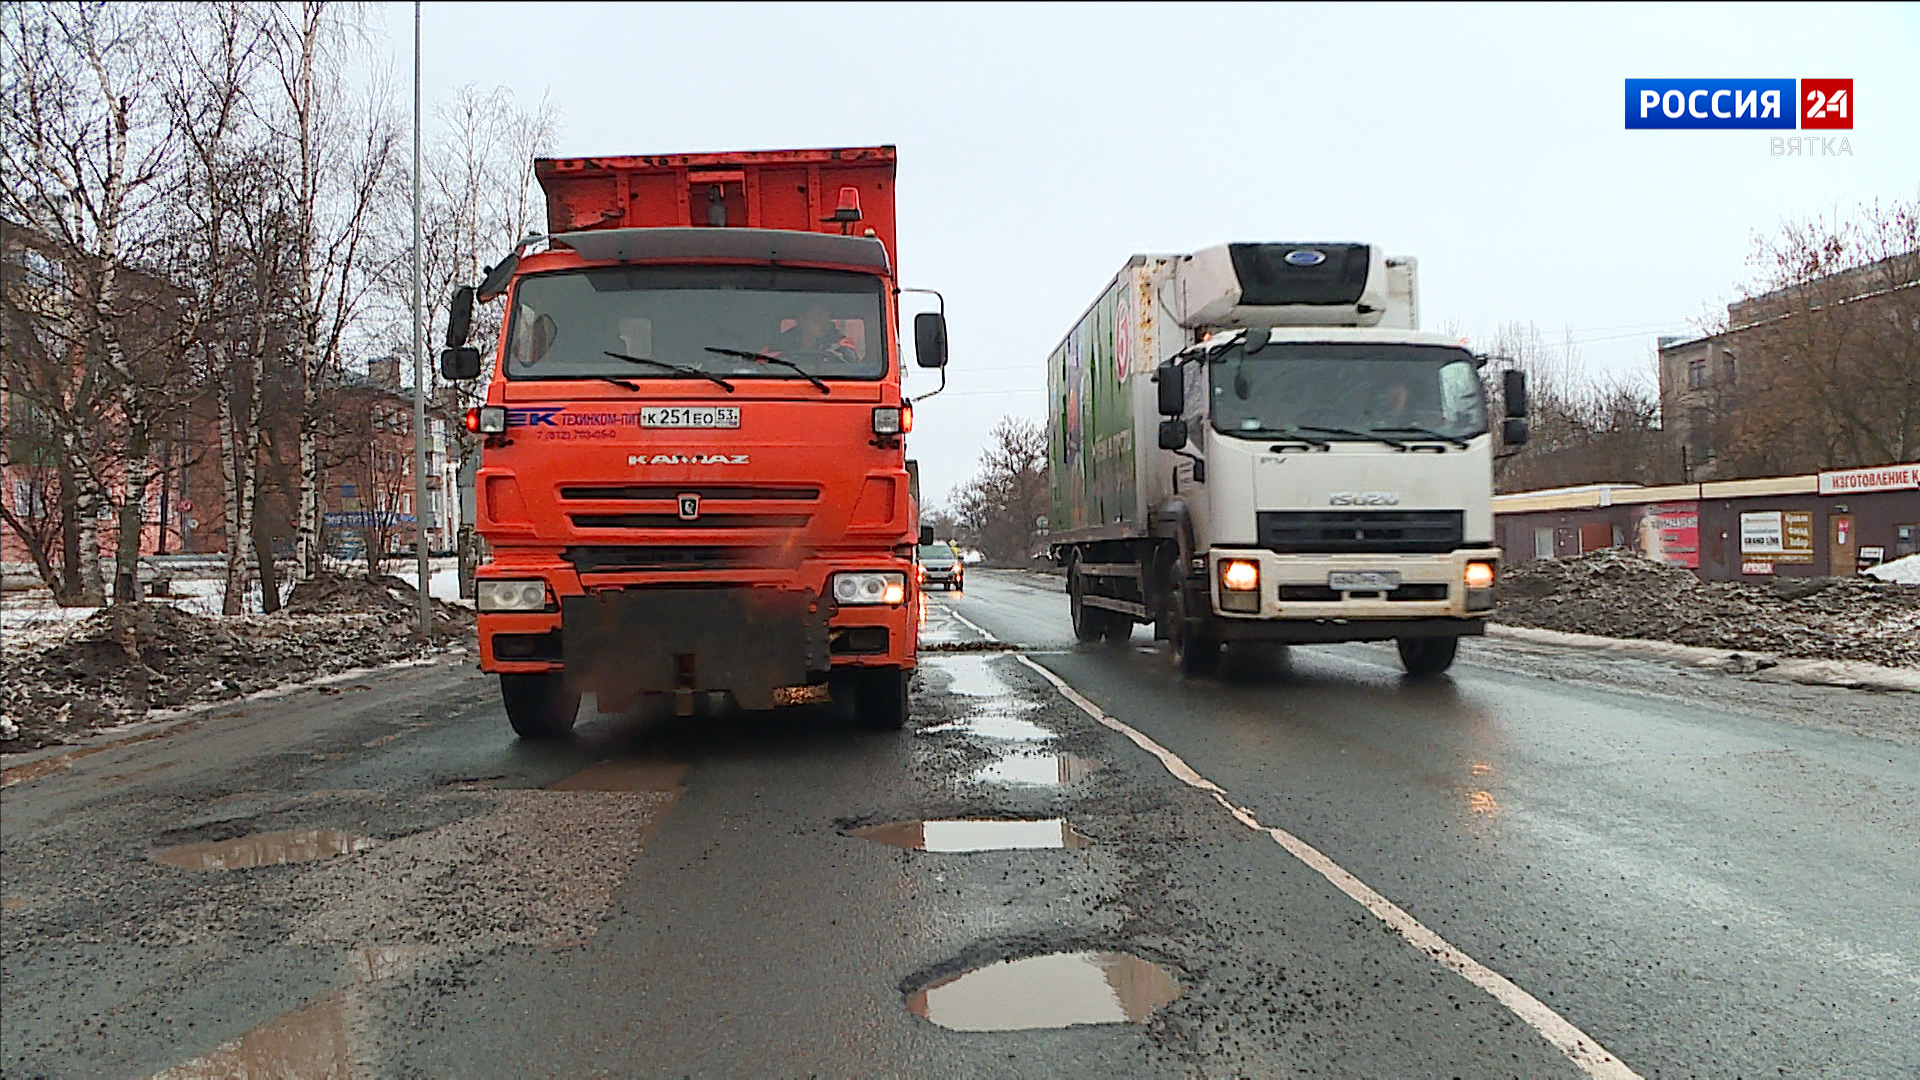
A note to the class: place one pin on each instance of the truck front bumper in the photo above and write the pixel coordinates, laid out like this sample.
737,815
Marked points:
1432,598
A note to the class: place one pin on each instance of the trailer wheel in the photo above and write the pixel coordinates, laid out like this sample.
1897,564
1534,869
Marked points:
880,698
1089,623
1428,656
539,706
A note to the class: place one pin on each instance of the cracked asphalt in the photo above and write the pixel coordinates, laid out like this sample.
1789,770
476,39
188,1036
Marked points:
1707,876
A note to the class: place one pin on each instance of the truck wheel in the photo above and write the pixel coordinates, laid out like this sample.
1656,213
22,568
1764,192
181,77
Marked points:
1196,651
880,698
1426,657
539,706
1119,629
1089,623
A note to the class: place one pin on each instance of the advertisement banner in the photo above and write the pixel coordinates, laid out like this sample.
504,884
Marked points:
1670,533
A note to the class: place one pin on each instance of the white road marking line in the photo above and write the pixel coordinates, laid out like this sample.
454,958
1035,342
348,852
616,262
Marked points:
1577,1045
969,623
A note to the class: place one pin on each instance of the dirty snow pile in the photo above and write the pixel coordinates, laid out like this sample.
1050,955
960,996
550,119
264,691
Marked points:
1617,593
120,663
1905,570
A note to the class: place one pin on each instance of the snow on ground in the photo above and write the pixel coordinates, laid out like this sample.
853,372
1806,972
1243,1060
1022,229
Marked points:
1905,570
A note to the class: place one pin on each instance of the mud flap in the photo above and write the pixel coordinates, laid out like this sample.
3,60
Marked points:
622,642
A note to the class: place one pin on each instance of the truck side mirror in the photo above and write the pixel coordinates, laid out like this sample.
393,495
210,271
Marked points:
1173,435
460,364
930,339
1513,391
1170,381
1514,431
460,317
926,535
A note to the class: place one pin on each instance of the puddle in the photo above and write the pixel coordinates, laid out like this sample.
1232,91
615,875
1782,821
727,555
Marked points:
995,726
1054,991
949,837
972,677
262,849
1038,770
1481,802
321,1041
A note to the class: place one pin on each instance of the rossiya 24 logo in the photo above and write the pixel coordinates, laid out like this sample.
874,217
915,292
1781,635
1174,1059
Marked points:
1740,103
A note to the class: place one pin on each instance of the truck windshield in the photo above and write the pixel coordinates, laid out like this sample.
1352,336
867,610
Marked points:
1349,392
823,323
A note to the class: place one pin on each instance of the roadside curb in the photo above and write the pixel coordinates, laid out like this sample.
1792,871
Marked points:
33,764
1848,674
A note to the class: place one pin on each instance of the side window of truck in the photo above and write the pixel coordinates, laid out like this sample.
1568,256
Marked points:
1460,394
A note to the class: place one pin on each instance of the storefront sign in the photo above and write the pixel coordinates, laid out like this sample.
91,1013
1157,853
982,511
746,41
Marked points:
1878,478
1768,537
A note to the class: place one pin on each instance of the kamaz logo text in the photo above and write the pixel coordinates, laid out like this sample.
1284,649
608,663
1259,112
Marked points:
686,459
1364,498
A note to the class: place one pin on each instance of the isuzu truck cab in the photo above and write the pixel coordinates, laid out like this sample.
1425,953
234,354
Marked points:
1256,443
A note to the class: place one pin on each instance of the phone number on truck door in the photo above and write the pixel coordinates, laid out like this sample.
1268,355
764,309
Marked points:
682,416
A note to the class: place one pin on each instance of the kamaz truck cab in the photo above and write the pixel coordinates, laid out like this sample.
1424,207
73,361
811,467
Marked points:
693,474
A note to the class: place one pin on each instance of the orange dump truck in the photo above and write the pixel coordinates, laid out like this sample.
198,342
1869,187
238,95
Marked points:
693,473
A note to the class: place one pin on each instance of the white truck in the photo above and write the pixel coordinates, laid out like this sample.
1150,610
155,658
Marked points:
1256,443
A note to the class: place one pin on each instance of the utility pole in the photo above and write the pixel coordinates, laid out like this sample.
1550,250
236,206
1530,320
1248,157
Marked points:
424,574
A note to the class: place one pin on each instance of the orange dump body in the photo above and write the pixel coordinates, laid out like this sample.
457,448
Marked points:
688,534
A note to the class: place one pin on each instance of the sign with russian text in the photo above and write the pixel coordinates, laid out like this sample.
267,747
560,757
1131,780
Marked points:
1879,478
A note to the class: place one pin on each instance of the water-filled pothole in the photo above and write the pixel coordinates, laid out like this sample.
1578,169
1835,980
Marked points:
994,725
1038,770
963,836
1053,991
262,849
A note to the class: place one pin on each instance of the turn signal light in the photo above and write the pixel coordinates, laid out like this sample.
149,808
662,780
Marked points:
1240,575
892,420
1479,575
487,420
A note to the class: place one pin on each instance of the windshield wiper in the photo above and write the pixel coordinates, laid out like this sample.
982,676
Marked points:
769,358
1428,432
679,368
1371,436
627,383
1289,435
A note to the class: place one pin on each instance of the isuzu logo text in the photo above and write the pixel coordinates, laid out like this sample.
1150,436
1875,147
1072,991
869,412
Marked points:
1364,498
1740,103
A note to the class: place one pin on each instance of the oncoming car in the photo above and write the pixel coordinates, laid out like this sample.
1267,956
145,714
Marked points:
939,565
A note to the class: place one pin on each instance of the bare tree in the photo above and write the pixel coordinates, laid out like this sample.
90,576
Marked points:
999,509
1826,347
339,153
85,151
1583,429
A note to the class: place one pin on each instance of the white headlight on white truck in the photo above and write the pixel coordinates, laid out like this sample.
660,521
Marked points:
510,595
878,587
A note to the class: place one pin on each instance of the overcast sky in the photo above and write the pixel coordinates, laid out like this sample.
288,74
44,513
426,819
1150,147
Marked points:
1040,146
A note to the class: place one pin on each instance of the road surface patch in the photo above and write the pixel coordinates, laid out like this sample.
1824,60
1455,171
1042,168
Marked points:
1054,990
1577,1045
969,835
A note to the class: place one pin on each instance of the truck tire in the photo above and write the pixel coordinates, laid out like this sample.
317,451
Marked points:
1089,623
880,698
1428,656
1196,651
539,706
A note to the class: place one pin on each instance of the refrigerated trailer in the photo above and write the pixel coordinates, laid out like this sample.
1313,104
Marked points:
1255,443
693,475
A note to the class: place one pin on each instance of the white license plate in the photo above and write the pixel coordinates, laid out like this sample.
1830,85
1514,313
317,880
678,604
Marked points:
683,416
1363,580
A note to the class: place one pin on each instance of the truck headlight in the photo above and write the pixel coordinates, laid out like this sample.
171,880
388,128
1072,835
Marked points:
1240,585
487,420
510,595
885,587
893,420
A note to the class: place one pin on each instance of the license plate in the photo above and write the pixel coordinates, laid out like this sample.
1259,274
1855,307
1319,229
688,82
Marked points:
1363,580
683,416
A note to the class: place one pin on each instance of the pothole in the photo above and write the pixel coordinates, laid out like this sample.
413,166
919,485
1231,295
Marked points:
995,725
262,849
956,836
1037,770
1056,990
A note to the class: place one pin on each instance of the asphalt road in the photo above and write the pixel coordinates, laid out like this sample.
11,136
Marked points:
1703,875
